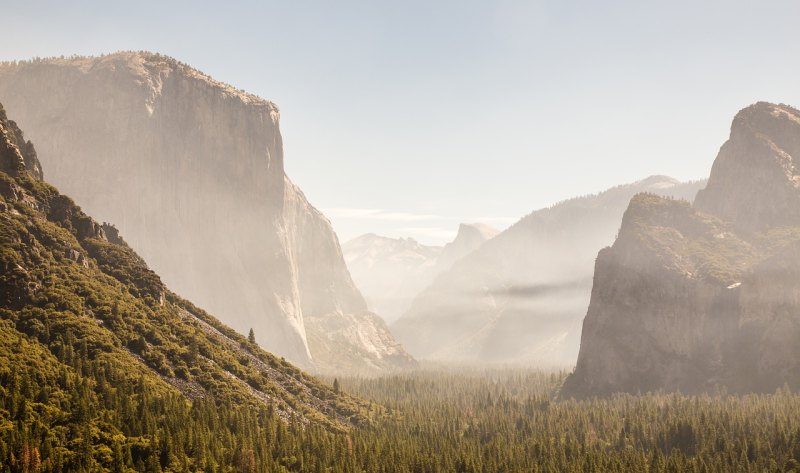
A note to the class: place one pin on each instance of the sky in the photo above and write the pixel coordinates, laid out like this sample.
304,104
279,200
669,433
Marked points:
406,118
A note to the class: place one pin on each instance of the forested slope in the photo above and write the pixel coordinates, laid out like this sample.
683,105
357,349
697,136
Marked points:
103,368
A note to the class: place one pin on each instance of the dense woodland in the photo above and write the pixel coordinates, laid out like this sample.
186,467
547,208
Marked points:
84,419
512,420
102,369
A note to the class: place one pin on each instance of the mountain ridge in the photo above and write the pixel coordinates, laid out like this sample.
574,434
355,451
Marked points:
392,271
520,297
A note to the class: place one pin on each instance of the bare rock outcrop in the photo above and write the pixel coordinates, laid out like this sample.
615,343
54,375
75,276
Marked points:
17,154
697,298
755,181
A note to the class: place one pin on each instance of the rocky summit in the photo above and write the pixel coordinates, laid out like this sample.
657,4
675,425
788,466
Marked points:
755,182
191,170
696,298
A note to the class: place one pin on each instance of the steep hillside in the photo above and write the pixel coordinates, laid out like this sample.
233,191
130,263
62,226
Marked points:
103,368
390,272
694,298
521,296
192,172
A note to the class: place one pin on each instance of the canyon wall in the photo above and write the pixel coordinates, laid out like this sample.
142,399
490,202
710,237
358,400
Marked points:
191,171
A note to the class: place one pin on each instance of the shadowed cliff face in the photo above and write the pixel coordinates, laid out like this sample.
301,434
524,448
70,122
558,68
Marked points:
693,298
191,171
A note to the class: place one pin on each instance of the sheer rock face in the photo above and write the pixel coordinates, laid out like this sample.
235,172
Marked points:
324,284
520,297
697,298
191,170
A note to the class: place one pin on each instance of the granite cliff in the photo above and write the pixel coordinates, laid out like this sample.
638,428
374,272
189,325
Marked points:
705,296
192,172
78,307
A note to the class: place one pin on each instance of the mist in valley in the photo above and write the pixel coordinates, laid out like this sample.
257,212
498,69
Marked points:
462,236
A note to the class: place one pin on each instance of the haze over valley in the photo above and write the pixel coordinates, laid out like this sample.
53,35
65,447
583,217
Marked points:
467,237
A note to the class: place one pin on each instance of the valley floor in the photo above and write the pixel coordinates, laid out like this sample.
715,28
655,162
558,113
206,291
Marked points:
508,421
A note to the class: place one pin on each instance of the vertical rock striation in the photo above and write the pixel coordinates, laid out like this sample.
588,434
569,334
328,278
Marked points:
191,171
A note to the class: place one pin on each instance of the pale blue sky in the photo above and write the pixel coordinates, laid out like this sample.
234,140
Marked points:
405,118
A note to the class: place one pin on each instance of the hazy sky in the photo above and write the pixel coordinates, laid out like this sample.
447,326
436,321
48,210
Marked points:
406,117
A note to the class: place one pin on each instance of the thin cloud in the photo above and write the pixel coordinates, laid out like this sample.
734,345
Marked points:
429,232
381,214
502,220
341,212
407,216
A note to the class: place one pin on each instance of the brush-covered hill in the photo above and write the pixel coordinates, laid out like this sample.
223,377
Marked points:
103,368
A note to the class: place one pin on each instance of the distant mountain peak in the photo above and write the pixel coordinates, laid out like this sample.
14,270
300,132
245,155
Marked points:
390,272
466,230
657,182
469,238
